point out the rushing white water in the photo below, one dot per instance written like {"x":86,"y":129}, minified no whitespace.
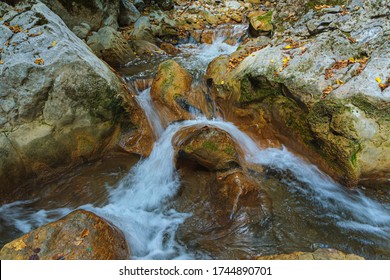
{"x":145,"y":101}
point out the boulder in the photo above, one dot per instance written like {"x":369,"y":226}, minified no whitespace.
{"x":208,"y":146}
{"x":81,"y":235}
{"x":171,"y":92}
{"x":319,"y":254}
{"x":327,"y":95}
{"x":111,"y":46}
{"x":96,"y":13}
{"x":128,"y":13}
{"x":143,"y":30}
{"x":59,"y":104}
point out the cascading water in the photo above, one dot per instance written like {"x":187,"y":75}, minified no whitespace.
{"x":139,"y":204}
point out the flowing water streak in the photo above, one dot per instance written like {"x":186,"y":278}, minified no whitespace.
{"x":145,"y":101}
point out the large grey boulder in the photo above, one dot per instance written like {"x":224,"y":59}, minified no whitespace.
{"x":60,"y":105}
{"x":324,"y":83}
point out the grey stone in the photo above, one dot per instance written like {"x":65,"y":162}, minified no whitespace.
{"x":82,"y":30}
{"x":110,"y":45}
{"x":142,"y":30}
{"x":128,"y":13}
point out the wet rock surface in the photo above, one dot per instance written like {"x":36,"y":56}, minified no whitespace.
{"x":326,"y":86}
{"x":60,"y":104}
{"x":209,"y":147}
{"x":80,"y":235}
{"x":320,"y":254}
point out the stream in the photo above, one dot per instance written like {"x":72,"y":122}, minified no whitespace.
{"x":139,"y":195}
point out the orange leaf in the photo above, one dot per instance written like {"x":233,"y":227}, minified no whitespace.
{"x":85,"y":233}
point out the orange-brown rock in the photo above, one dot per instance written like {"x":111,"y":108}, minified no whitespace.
{"x":169,"y":48}
{"x":319,"y":254}
{"x":234,"y":190}
{"x":208,"y":146}
{"x":172,"y":94}
{"x":81,"y":235}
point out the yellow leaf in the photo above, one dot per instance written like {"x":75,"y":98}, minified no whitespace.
{"x":339,"y":82}
{"x":351,"y":60}
{"x":85,"y":233}
{"x":1,"y":62}
{"x":379,"y":80}
{"x":288,"y":47}
{"x":39,"y":61}
{"x":222,"y":82}
{"x":54,"y":43}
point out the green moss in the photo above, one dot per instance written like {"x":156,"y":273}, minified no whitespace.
{"x":210,"y":146}
{"x":230,"y":151}
{"x":380,"y":111}
{"x":257,"y":89}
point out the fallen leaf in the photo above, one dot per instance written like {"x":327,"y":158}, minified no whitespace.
{"x":1,"y":62}
{"x":222,"y":82}
{"x":53,"y":44}
{"x":320,"y":7}
{"x":326,"y":91}
{"x":379,"y":80}
{"x":287,"y":47}
{"x":85,"y":233}
{"x":39,"y":61}
{"x":339,"y":82}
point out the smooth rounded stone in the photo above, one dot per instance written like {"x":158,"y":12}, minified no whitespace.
{"x":173,"y":96}
{"x":82,"y":31}
{"x":143,"y":30}
{"x":128,"y":13}
{"x":111,"y":46}
{"x":142,"y":47}
{"x":81,"y":235}
{"x":208,"y":146}
{"x":319,"y":254}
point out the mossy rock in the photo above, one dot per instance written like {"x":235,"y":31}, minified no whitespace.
{"x":208,"y":146}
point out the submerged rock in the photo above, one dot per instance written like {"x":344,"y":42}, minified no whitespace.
{"x":81,"y":235}
{"x":319,"y":254}
{"x":59,"y":104}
